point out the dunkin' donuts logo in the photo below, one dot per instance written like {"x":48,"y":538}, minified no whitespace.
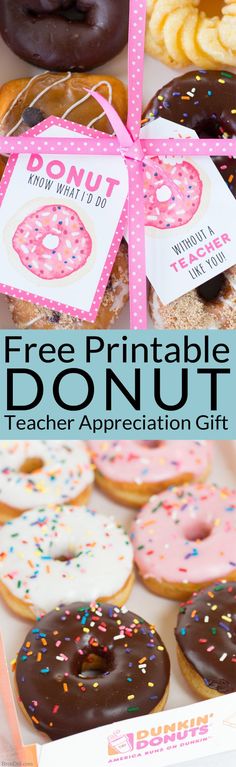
{"x":184,"y":731}
{"x":120,"y":743}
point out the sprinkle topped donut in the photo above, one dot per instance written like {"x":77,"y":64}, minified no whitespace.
{"x":205,"y":634}
{"x":85,"y":666}
{"x":172,"y":193}
{"x":186,"y":538}
{"x":52,"y":242}
{"x":51,"y":556}
{"x":131,"y":470}
{"x":47,"y":472}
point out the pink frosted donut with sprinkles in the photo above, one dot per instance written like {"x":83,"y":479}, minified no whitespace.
{"x":172,"y":193}
{"x":52,"y":242}
{"x":185,"y":539}
{"x":130,"y":471}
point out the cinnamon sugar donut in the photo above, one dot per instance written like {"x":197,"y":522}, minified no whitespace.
{"x":205,"y":102}
{"x":42,"y":471}
{"x":23,"y":104}
{"x":130,"y":471}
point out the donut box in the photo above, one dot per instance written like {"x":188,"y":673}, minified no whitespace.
{"x":121,"y":741}
{"x":204,"y":310}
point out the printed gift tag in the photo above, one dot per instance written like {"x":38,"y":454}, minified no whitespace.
{"x":61,"y":224}
{"x":189,"y":218}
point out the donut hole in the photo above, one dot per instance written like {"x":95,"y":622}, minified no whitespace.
{"x":197,"y":530}
{"x":95,"y":664}
{"x":72,"y":14}
{"x":51,"y":241}
{"x":30,"y":465}
{"x":211,"y":8}
{"x":211,"y":126}
{"x":69,"y":12}
{"x":151,"y":444}
{"x":65,"y":557}
{"x":164,"y":193}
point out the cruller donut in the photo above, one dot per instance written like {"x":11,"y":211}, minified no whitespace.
{"x":69,"y":553}
{"x":84,"y":666}
{"x":130,"y":471}
{"x":58,"y":34}
{"x":205,"y":102}
{"x":23,"y":104}
{"x":42,"y":471}
{"x":185,"y":539}
{"x":205,"y":635}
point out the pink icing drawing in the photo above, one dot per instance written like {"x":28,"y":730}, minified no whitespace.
{"x":151,"y":462}
{"x":187,"y":534}
{"x":172,"y":193}
{"x":52,"y":242}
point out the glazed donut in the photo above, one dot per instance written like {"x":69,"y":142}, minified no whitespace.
{"x":205,"y":637}
{"x":73,"y":554}
{"x":72,"y":34}
{"x":85,"y":669}
{"x":23,"y":104}
{"x":52,"y":242}
{"x":130,"y":471}
{"x":172,"y":193}
{"x":50,"y":472}
{"x":200,"y":32}
{"x":185,"y":539}
{"x":205,"y":102}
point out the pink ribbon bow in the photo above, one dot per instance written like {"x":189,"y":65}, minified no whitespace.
{"x":136,"y":152}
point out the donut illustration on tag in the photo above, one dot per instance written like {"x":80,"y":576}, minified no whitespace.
{"x":172,"y":193}
{"x":52,"y":242}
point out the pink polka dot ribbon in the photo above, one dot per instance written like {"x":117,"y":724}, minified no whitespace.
{"x":135,"y":151}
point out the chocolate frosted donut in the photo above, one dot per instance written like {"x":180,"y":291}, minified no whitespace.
{"x":206,"y":638}
{"x":58,"y":34}
{"x":205,"y":102}
{"x":85,"y":666}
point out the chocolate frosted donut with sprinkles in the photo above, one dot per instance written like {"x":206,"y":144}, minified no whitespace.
{"x":130,"y":471}
{"x":85,"y":666}
{"x":185,"y":539}
{"x":204,"y":101}
{"x":205,"y":634}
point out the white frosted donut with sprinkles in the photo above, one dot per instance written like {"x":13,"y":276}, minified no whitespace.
{"x":55,"y":556}
{"x":42,"y":471}
{"x":130,"y":471}
{"x":52,"y":242}
{"x":185,"y":539}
